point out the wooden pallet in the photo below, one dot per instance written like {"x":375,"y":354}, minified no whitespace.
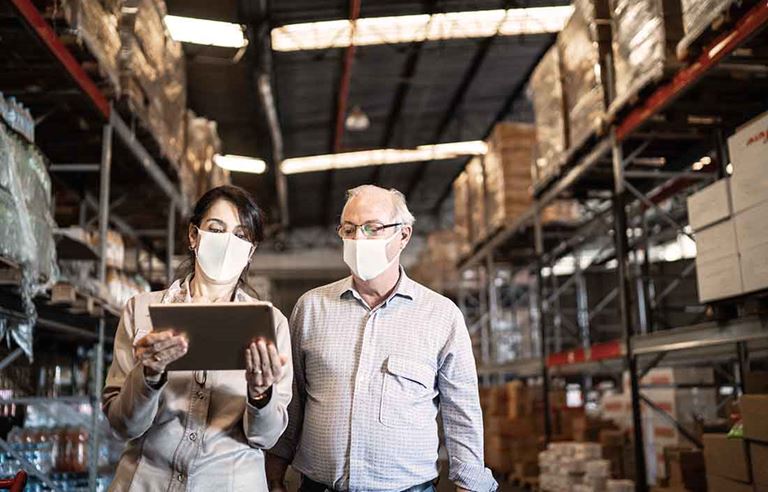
{"x":718,"y":21}
{"x":10,"y":273}
{"x":76,"y":302}
{"x":641,"y":88}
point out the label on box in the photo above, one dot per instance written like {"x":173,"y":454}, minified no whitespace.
{"x":719,"y":279}
{"x":715,"y":242}
{"x":749,"y":143}
{"x":709,"y":205}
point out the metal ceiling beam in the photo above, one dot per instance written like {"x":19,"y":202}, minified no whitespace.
{"x":503,"y":111}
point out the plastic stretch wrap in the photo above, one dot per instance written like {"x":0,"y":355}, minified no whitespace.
{"x":198,"y":172}
{"x":645,"y":34}
{"x":699,"y":14}
{"x":461,"y":212}
{"x":508,"y":172}
{"x":477,"y":218}
{"x":582,"y":74}
{"x":546,"y":92}
{"x":149,"y":29}
{"x":98,"y":28}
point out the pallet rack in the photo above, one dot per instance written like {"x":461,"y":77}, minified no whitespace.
{"x":78,"y":122}
{"x":681,"y":120}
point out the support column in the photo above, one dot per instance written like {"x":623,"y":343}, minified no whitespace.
{"x":625,"y":309}
{"x":98,"y":371}
{"x":539,"y":248}
{"x":493,"y":306}
{"x":170,"y":243}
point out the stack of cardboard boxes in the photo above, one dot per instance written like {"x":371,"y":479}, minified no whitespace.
{"x":728,"y":220}
{"x":436,"y":266}
{"x":578,"y":467}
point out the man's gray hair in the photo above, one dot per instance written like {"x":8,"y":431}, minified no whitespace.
{"x":399,"y":204}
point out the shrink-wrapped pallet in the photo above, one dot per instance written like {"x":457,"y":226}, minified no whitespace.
{"x":478,"y":227}
{"x":461,"y":212}
{"x":698,"y":15}
{"x":645,"y":36}
{"x":585,"y":37}
{"x":546,"y":91}
{"x":198,"y":172}
{"x":97,"y":27}
{"x":507,"y":172}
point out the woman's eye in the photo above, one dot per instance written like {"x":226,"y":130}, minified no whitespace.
{"x":217,"y":231}
{"x":240,"y":235}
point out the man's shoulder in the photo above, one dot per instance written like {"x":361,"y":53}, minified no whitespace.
{"x":424,"y":294}
{"x":327,"y":291}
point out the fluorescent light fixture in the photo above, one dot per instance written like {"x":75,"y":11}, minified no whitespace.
{"x":364,"y":158}
{"x":413,"y":28}
{"x":207,"y":32}
{"x":239,"y":163}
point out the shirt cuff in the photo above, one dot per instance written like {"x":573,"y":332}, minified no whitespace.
{"x":475,"y":478}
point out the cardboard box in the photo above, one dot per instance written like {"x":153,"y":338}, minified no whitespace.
{"x":710,"y":205}
{"x":722,"y":484}
{"x":685,"y":469}
{"x":750,"y":143}
{"x":756,"y":382}
{"x":754,"y":413}
{"x":750,"y":226}
{"x":758,"y":455}
{"x":754,"y":268}
{"x":716,"y":242}
{"x":749,"y":186}
{"x":667,"y":376}
{"x":719,"y":279}
{"x":726,"y":458}
{"x":517,"y":399}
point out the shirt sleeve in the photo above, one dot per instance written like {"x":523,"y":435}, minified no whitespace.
{"x":263,"y":426}
{"x":128,"y":400}
{"x":460,"y":408}
{"x":286,"y":446}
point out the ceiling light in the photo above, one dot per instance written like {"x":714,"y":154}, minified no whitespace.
{"x":357,"y":120}
{"x":239,"y":163}
{"x":364,"y":158}
{"x":414,"y":28}
{"x":207,"y":32}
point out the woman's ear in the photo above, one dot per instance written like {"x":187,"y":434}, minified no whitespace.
{"x":192,"y":237}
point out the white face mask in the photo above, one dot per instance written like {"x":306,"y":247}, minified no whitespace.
{"x":367,"y":258}
{"x":222,"y":256}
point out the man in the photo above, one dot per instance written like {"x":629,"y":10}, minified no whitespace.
{"x":375,"y":356}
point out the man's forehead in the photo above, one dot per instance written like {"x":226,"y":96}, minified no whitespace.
{"x":370,"y":207}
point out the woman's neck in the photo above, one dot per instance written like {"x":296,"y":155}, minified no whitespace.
{"x":202,"y":289}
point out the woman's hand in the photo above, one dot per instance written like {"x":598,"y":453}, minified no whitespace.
{"x":158,"y":349}
{"x":264,"y":367}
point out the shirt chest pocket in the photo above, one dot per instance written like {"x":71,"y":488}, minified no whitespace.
{"x":408,"y":393}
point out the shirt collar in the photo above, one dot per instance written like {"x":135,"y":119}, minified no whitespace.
{"x":180,"y":292}
{"x":405,"y":288}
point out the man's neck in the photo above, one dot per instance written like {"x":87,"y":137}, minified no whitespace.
{"x":374,"y":292}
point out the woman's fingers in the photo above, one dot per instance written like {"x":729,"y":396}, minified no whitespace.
{"x":154,"y":337}
{"x":266,"y":366}
{"x":256,"y":365}
{"x":276,"y":365}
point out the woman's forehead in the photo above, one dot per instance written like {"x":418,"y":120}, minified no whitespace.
{"x":224,"y":211}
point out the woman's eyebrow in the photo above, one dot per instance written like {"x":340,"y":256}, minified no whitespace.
{"x":219,"y":221}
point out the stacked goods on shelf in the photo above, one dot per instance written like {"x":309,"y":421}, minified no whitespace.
{"x":583,"y":44}
{"x":748,"y":149}
{"x":508,"y":172}
{"x":686,"y":394}
{"x":122,"y":286}
{"x":698,"y":15}
{"x":727,"y":463}
{"x":198,"y":173}
{"x":546,"y":92}
{"x":645,"y":36}
{"x":17,"y":117}
{"x":514,"y":426}
{"x":436,"y":266}
{"x":684,"y":470}
{"x":461,"y":212}
{"x":26,"y":223}
{"x":578,"y":467}
{"x":96,"y":25}
{"x":478,"y":224}
{"x":754,"y":408}
{"x":153,"y":75}
{"x":728,"y":220}
{"x":562,"y":212}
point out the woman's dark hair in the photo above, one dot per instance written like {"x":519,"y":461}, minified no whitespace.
{"x":251,"y":218}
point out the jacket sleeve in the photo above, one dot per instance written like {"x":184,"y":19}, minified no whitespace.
{"x":286,"y":446}
{"x":264,"y":426}
{"x":128,"y":401}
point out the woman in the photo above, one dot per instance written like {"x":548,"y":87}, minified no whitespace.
{"x":202,"y":430}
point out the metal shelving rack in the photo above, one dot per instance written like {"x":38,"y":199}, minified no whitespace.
{"x":86,"y":106}
{"x":682,"y":119}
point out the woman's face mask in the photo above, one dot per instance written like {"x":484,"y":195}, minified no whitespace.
{"x":222,"y":256}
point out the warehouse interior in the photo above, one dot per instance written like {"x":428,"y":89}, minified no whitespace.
{"x":588,"y":180}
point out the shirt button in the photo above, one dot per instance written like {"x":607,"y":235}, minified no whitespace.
{"x":180,"y":478}
{"x":201,"y":395}
{"x":193,"y":436}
